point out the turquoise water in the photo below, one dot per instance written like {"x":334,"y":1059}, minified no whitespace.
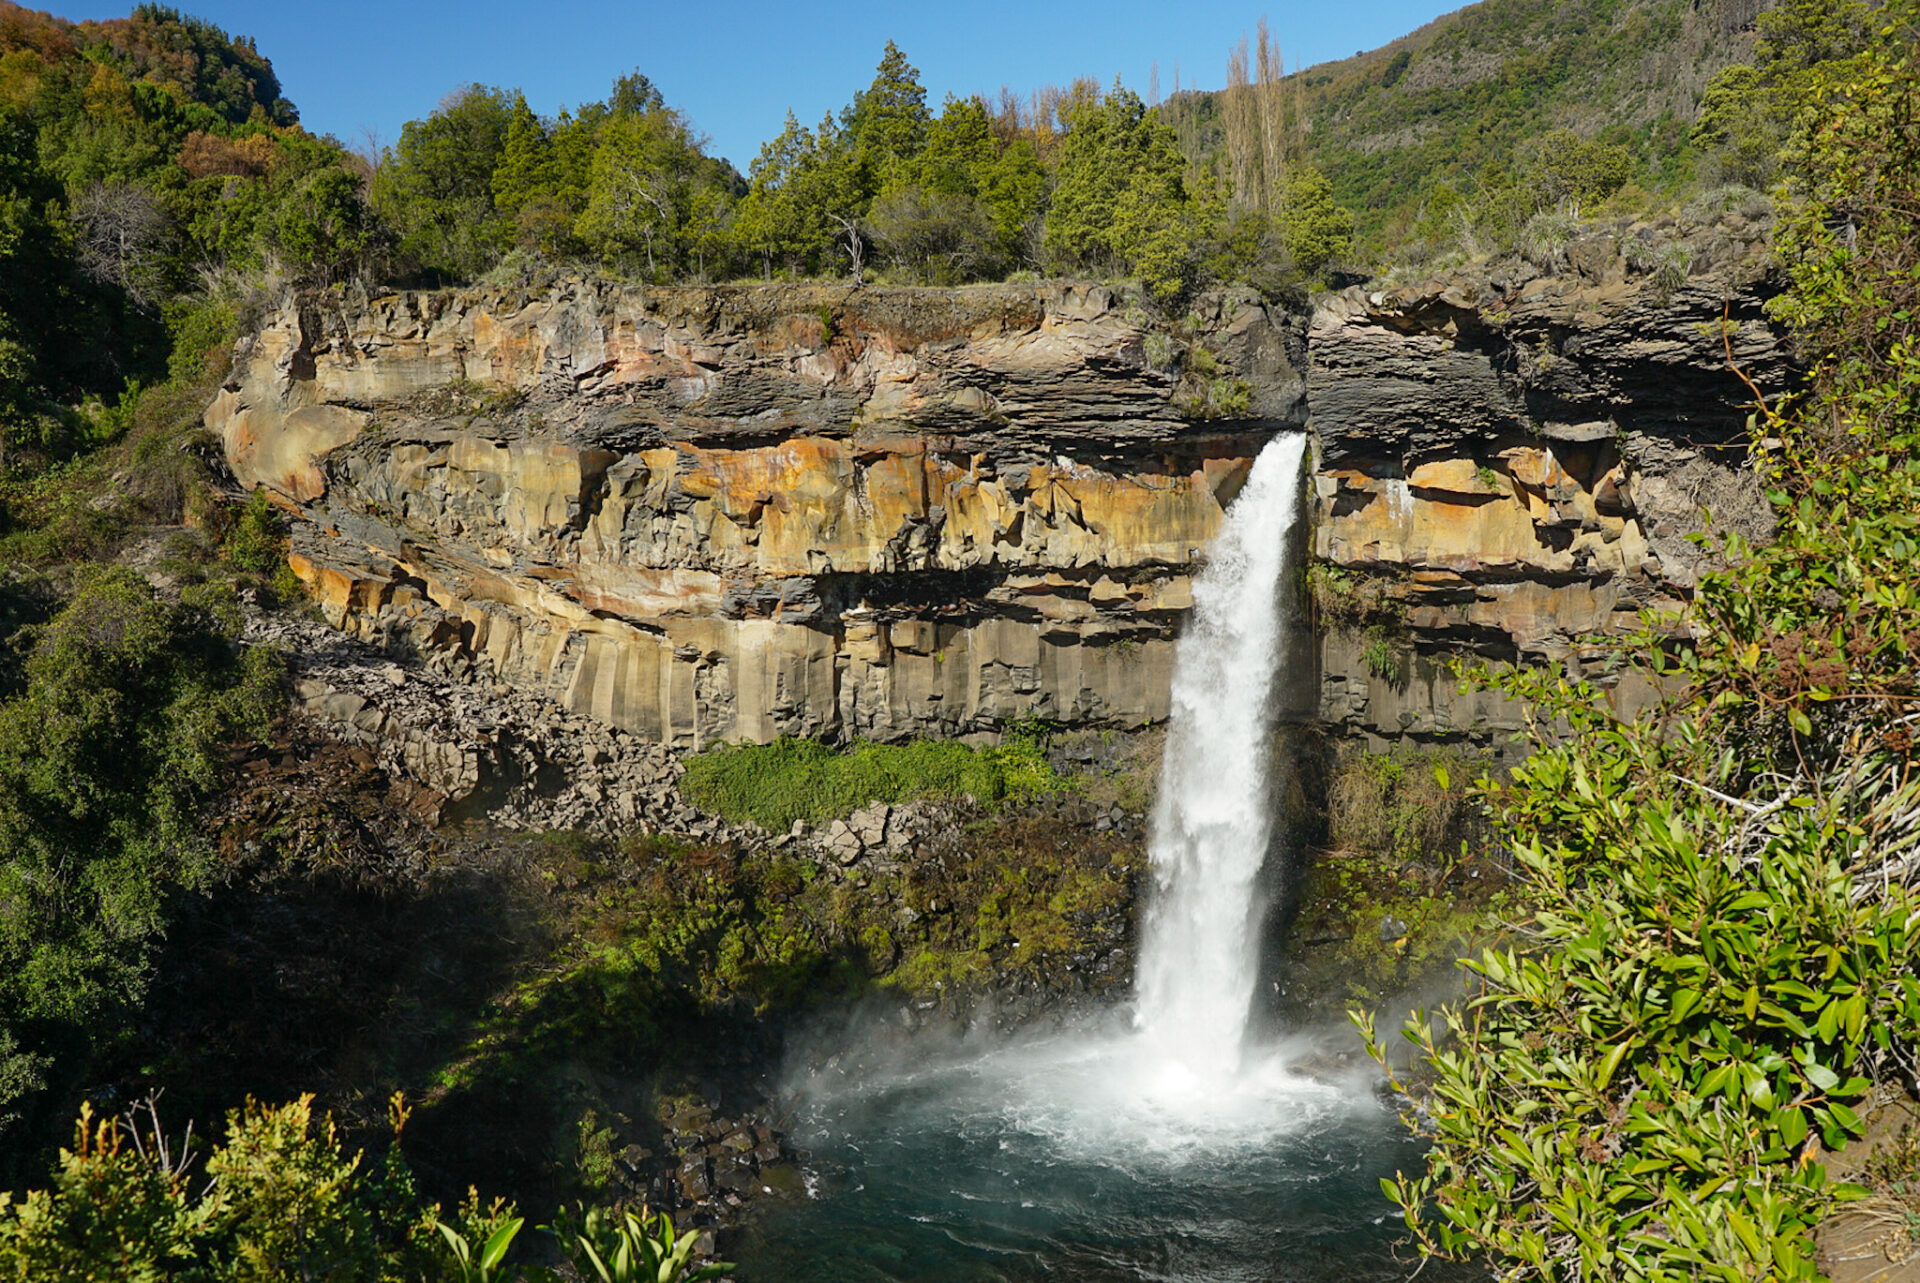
{"x":1071,"y":1159}
{"x":1164,"y":1151}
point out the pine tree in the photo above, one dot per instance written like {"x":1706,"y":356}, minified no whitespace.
{"x":526,"y":183}
{"x":1114,"y":148}
{"x":886,"y":126}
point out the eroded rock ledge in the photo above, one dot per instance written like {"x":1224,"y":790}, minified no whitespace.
{"x":740,"y":512}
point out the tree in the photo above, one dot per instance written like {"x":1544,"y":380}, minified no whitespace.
{"x":709,"y":227}
{"x":1118,"y":188}
{"x":769,"y":222}
{"x":322,"y":227}
{"x":942,"y":237}
{"x":526,"y":182}
{"x":1740,"y":127}
{"x":960,"y":209}
{"x":802,"y":179}
{"x":636,"y":198}
{"x":1314,"y":230}
{"x":632,"y":95}
{"x":31,"y":272}
{"x":1569,"y":171}
{"x":960,"y":148}
{"x":1747,"y":111}
{"x":128,"y":707}
{"x":122,"y":230}
{"x":886,"y":124}
{"x":435,"y":186}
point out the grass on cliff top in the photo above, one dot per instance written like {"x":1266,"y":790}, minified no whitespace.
{"x":775,"y":784}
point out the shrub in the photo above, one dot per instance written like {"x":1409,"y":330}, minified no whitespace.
{"x":121,"y":726}
{"x":1718,"y":967}
{"x":253,"y":543}
{"x":1341,"y":598}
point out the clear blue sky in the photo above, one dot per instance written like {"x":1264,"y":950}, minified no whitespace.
{"x":735,"y":68}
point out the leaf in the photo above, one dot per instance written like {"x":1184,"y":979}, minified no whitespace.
{"x":498,"y":1242}
{"x":1744,"y":1228}
{"x":1608,"y":1064}
{"x":1828,"y":1025}
{"x":455,"y":1241}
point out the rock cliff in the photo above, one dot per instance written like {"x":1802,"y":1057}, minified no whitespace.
{"x":1521,"y":461}
{"x":738,"y":512}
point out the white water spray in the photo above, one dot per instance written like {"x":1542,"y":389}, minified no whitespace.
{"x":1199,"y":955}
{"x":1181,"y":1088}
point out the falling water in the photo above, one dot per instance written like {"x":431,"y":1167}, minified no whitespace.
{"x":1169,"y":1147}
{"x":1213,"y":823}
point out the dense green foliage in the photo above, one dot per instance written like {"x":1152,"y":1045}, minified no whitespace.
{"x":1094,"y":184}
{"x":281,"y":1199}
{"x":147,"y":166}
{"x":794,"y":779}
{"x":114,"y":724}
{"x":1468,"y":110}
{"x":1717,"y":969}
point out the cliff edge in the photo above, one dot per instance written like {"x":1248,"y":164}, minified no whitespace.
{"x":737,"y":512}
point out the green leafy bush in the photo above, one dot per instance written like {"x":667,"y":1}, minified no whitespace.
{"x":1717,"y":968}
{"x":126,"y":707}
{"x":282,"y":1198}
{"x":1698,"y":992}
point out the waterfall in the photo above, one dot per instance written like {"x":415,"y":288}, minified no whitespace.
{"x":1213,"y":823}
{"x":1172,"y":1146}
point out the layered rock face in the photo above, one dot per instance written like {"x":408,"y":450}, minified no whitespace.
{"x":1522,"y":461}
{"x":745,"y":512}
{"x":740,"y":512}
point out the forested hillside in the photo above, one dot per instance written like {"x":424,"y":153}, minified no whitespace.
{"x":1461,"y":110}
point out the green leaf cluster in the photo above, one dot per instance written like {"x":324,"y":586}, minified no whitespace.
{"x":280,"y":1199}
{"x":1696,"y":1002}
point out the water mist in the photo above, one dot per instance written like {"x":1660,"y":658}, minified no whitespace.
{"x":1169,"y":1145}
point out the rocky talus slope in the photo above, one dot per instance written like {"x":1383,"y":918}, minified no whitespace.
{"x":730,"y":513}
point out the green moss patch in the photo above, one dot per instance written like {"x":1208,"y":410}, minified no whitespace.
{"x":776,"y":784}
